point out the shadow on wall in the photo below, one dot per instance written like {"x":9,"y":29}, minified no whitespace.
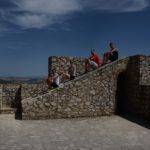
{"x":120,"y":94}
{"x":17,"y":104}
{"x":132,"y":99}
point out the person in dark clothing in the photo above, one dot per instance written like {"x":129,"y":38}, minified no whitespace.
{"x":112,"y":54}
{"x":72,"y":70}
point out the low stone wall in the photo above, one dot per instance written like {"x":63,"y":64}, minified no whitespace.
{"x":33,"y":90}
{"x":64,"y":62}
{"x":8,"y":92}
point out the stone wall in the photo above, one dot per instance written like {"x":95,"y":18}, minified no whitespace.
{"x":1,"y":92}
{"x":145,"y":70}
{"x":33,"y":90}
{"x":90,"y":95}
{"x":8,"y":92}
{"x":145,"y":101}
{"x":137,"y":87}
{"x":64,"y":62}
{"x":95,"y":93}
{"x":144,"y":87}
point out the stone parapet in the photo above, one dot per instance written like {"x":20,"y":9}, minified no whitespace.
{"x":64,"y":62}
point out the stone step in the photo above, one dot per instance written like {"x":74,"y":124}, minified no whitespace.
{"x":7,"y":111}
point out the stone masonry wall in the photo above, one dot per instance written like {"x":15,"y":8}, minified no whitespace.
{"x":94,"y":94}
{"x":145,"y":71}
{"x":33,"y":90}
{"x":137,"y":87}
{"x":8,"y":92}
{"x":1,"y":92}
{"x":145,"y":86}
{"x":64,"y":62}
{"x":145,"y":101}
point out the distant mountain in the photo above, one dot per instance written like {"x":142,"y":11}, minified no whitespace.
{"x":3,"y":82}
{"x":19,"y":80}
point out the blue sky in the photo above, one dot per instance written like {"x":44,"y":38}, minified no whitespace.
{"x":33,"y":30}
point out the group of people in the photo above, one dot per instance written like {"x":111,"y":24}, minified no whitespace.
{"x":56,"y":78}
{"x":93,"y":62}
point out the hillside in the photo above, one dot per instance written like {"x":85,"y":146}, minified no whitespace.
{"x":18,"y":80}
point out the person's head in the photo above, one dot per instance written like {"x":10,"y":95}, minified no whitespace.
{"x":53,"y":70}
{"x":112,"y":45}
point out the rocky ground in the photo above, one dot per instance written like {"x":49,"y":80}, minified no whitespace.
{"x":106,"y":133}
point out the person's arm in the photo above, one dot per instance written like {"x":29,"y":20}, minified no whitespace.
{"x":54,"y":77}
{"x":114,"y":50}
{"x":92,"y":58}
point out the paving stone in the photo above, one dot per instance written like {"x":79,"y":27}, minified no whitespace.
{"x":105,"y":133}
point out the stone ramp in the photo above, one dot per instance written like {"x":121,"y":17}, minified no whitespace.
{"x":104,"y":133}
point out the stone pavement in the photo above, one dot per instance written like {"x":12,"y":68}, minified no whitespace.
{"x":106,"y":133}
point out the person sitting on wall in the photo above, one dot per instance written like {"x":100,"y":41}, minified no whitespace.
{"x":93,"y":62}
{"x":63,"y":76}
{"x":112,"y":54}
{"x":72,"y":71}
{"x":54,"y":79}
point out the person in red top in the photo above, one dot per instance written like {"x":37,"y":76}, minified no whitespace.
{"x":93,"y":62}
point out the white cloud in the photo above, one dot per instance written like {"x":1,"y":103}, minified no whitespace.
{"x":116,"y":5}
{"x":40,"y":13}
{"x":33,"y":20}
{"x":43,"y":13}
{"x":51,"y":7}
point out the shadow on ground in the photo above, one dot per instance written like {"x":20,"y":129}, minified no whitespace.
{"x":136,"y":119}
{"x":16,"y":104}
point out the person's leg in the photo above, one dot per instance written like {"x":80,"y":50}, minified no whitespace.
{"x":106,"y":57}
{"x":65,"y":77}
{"x":113,"y":57}
{"x":93,"y":64}
{"x":54,"y":85}
{"x":87,"y":65}
{"x":72,"y":77}
{"x":49,"y":82}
